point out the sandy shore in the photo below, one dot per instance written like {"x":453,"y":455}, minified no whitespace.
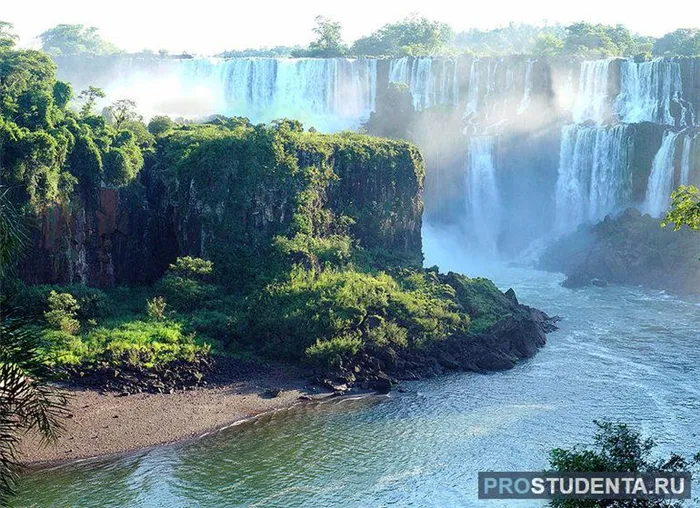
{"x":104,"y":423}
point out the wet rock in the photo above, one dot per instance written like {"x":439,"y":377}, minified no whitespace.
{"x":382,"y":383}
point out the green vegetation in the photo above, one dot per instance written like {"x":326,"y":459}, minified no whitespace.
{"x":328,"y":42}
{"x":420,"y":36}
{"x":413,"y":36}
{"x":681,"y":42}
{"x":301,"y":246}
{"x":417,"y":36}
{"x":685,"y":208}
{"x":64,"y":40}
{"x":48,"y":150}
{"x":617,"y":448}
{"x":28,"y":402}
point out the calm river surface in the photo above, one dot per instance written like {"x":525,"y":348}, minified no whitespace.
{"x":621,"y":353}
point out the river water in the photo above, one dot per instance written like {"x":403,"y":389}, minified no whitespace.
{"x":624,"y":354}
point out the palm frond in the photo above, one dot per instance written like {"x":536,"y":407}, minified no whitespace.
{"x":12,"y":234}
{"x":27,"y":401}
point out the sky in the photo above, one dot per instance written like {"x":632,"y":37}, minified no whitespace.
{"x":212,"y":26}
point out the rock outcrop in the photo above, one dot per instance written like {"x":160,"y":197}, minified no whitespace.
{"x":631,"y":249}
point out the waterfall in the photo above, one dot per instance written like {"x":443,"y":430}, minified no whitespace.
{"x":430,"y":84}
{"x":483,"y":202}
{"x":592,"y":98}
{"x":525,"y":103}
{"x":686,"y":159}
{"x":473,"y":90}
{"x":594,"y":178}
{"x":660,"y":184}
{"x":648,"y":90}
{"x":498,"y":90}
{"x":330,"y":94}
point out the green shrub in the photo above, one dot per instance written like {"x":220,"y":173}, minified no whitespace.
{"x":213,"y":324}
{"x":93,"y":303}
{"x":144,"y":343}
{"x":332,"y":352}
{"x":185,"y":294}
{"x":409,"y":309}
{"x":388,"y":333}
{"x":193,"y":268}
{"x":63,"y":309}
{"x":155,"y":308}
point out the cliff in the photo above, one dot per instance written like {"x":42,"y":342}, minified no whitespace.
{"x":239,"y":188}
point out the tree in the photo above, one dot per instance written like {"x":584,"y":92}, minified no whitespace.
{"x":413,"y":36}
{"x":328,"y":41}
{"x":617,"y":448}
{"x":64,"y":40}
{"x":683,"y":42}
{"x":121,"y":112}
{"x":548,"y":44}
{"x":8,"y":38}
{"x":160,"y":124}
{"x":89,"y":98}
{"x":685,"y":209}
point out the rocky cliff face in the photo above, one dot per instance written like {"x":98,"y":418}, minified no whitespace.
{"x":234,"y":193}
{"x":631,"y":249}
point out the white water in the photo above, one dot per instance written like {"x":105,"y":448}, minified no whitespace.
{"x":483,"y":201}
{"x":592,"y":101}
{"x":689,"y":145}
{"x":525,"y":103}
{"x":329,"y":94}
{"x":431,"y":82}
{"x":648,"y":90}
{"x":594,"y":175}
{"x":660,"y":184}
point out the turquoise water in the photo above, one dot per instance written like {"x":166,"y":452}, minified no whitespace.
{"x":620,"y":353}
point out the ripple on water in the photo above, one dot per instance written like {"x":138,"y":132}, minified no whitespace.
{"x":620,"y":353}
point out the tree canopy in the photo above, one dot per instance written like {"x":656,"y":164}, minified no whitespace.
{"x":328,"y":42}
{"x":63,"y":40}
{"x":46,"y":148}
{"x":418,"y":36}
{"x":415,"y":35}
{"x":683,"y":42}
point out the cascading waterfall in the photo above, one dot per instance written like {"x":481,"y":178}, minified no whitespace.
{"x":594,"y":176}
{"x":330,"y":94}
{"x":686,"y":159}
{"x":592,"y":102}
{"x":648,"y":90}
{"x":525,"y":103}
{"x":483,"y":201}
{"x":431,"y":82}
{"x":473,"y":90}
{"x":661,"y":177}
{"x":519,"y":99}
{"x":498,"y":89}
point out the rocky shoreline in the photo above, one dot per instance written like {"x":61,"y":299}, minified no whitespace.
{"x":515,"y":337}
{"x":124,"y":410}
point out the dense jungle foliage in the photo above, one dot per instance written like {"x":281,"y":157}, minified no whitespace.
{"x":294,"y":245}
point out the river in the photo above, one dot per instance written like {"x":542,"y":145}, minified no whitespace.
{"x":625,"y":354}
